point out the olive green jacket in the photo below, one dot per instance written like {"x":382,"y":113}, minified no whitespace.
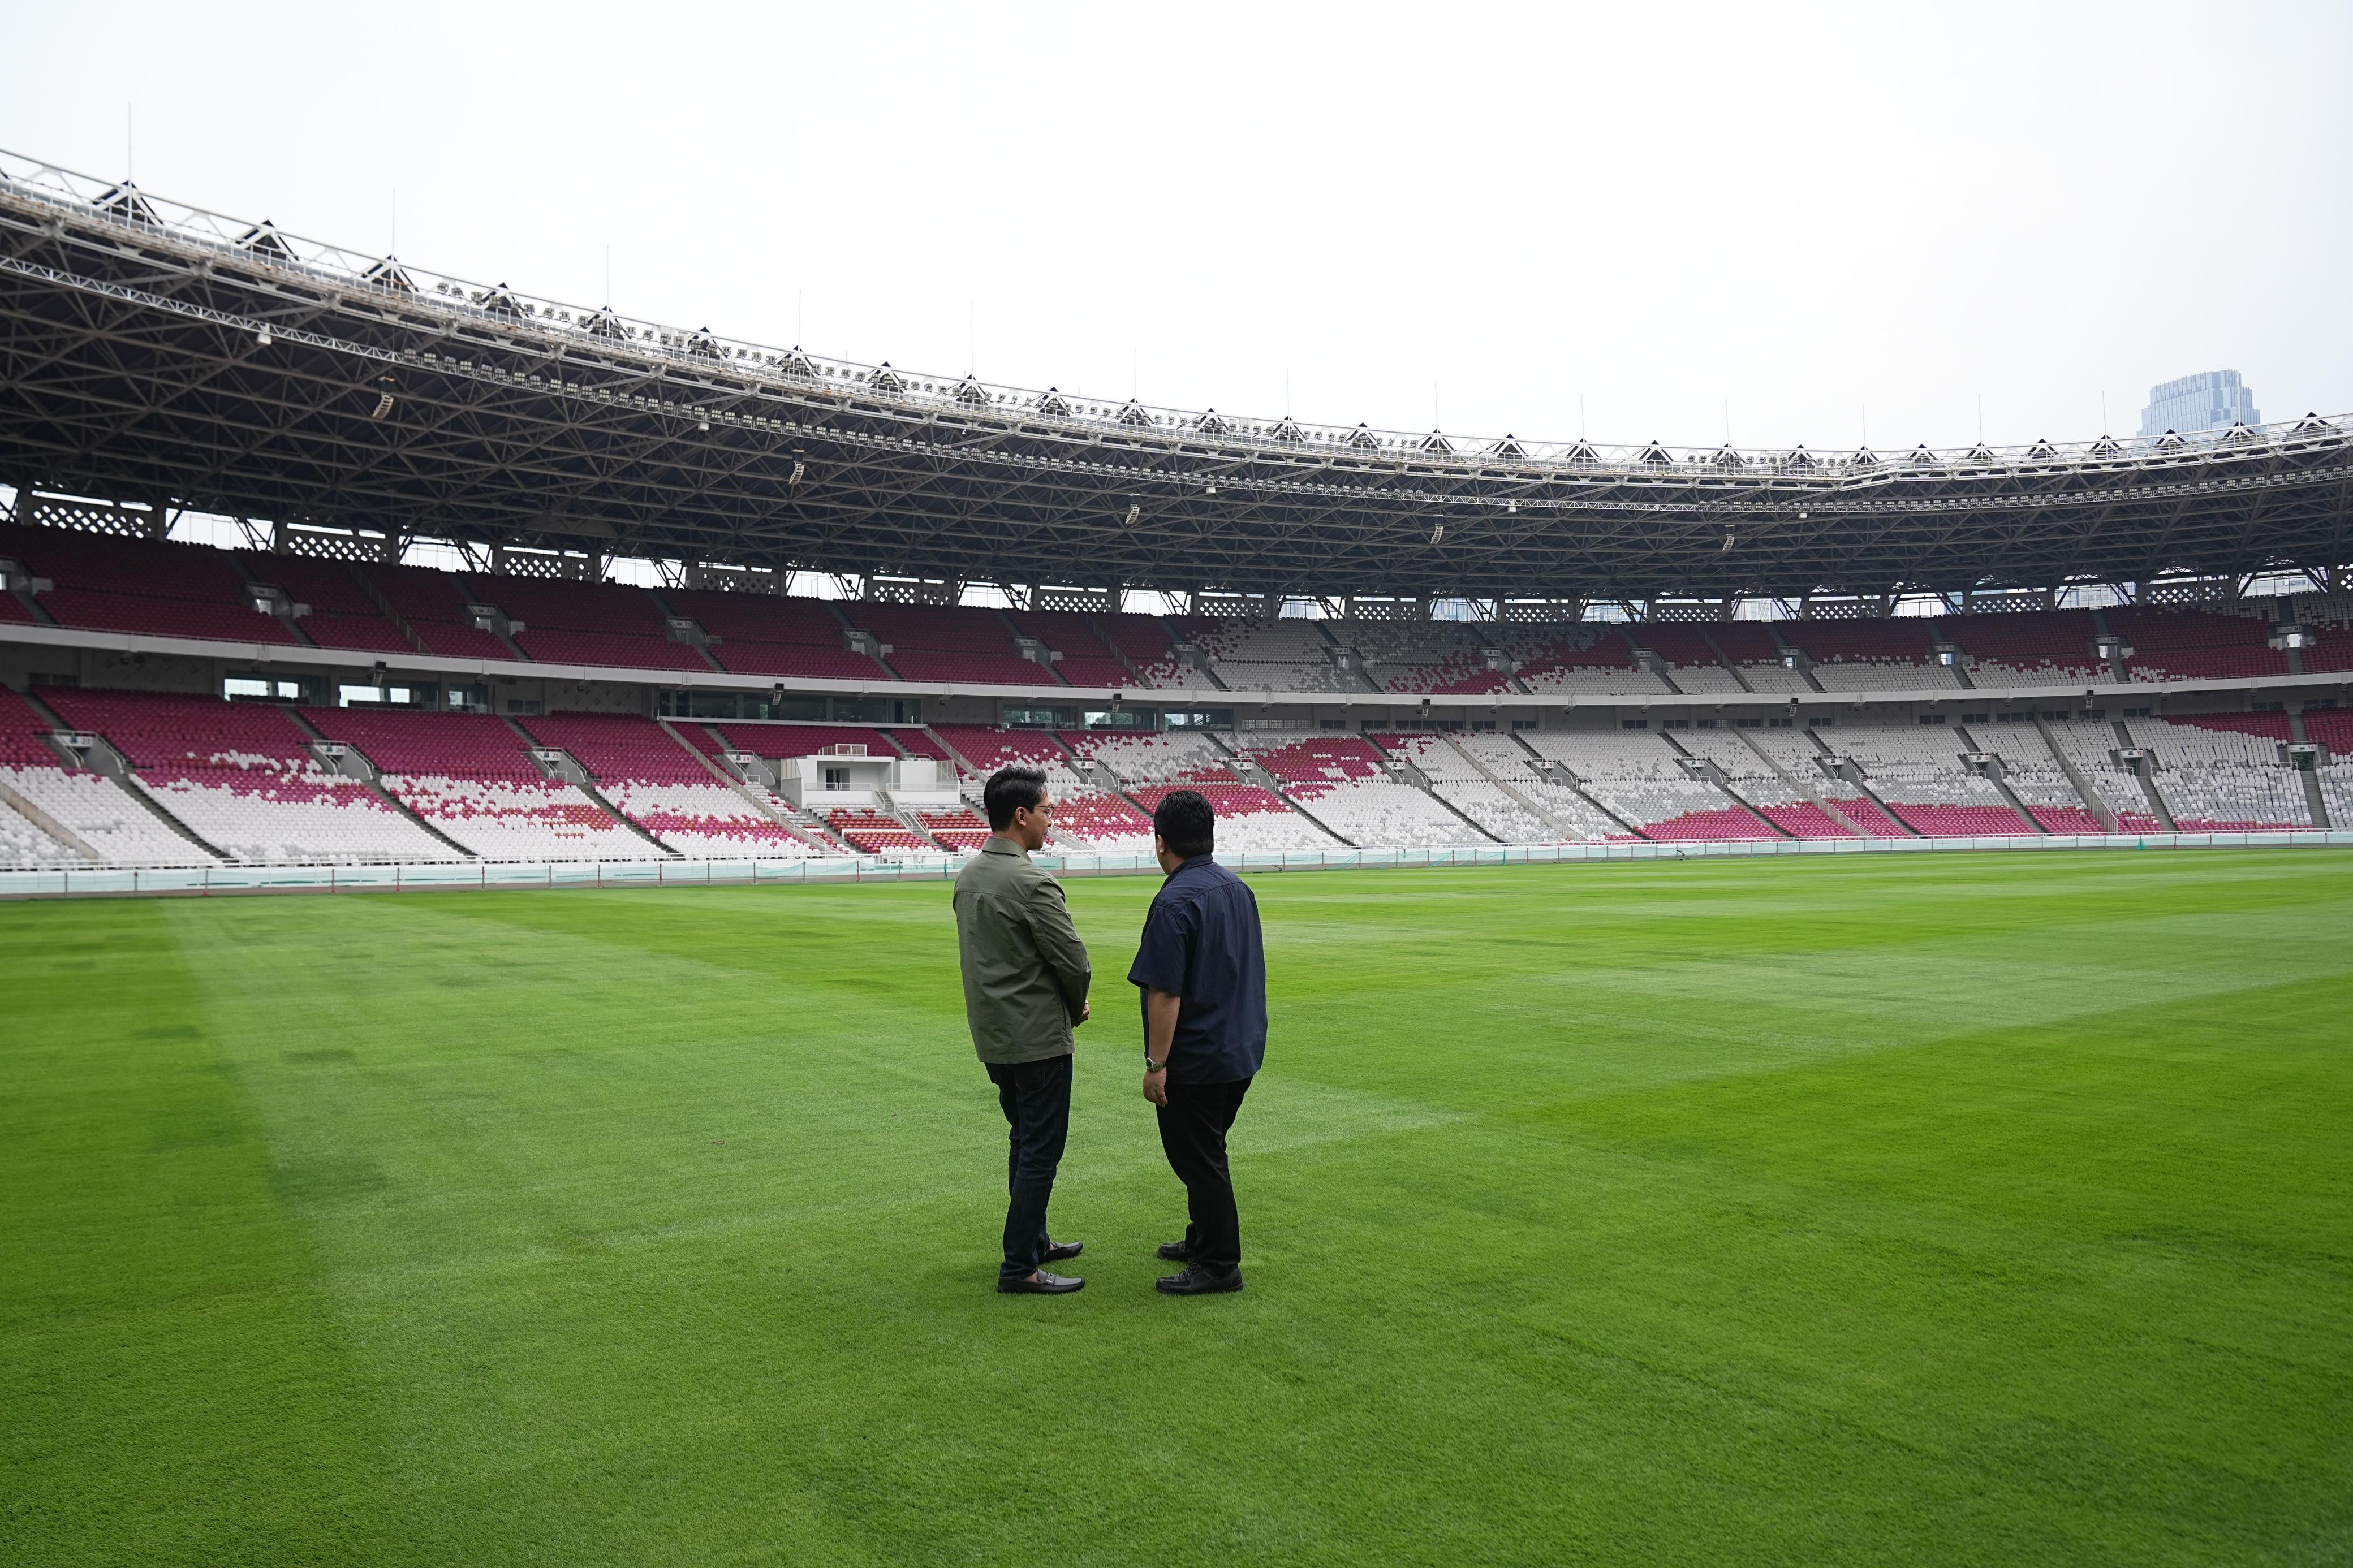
{"x":1025,"y":969}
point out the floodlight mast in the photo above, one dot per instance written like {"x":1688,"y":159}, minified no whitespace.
{"x":115,"y":299}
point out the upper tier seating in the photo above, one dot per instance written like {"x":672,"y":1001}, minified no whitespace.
{"x":341,"y":614}
{"x":432,"y":604}
{"x":1694,"y":666}
{"x":468,"y":775}
{"x":2028,"y":648}
{"x":1274,"y":656}
{"x":767,"y":634}
{"x":1756,"y":653}
{"x":1880,"y":654}
{"x":938,"y":642}
{"x":1585,"y":659}
{"x":1917,"y":770}
{"x":588,"y":622}
{"x":1087,"y":660}
{"x":1424,"y":657}
{"x":2222,"y":779}
{"x":106,"y":583}
{"x":242,"y":778}
{"x":2196,"y":645}
{"x":1143,"y":642}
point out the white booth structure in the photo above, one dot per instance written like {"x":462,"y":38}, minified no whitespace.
{"x":849,"y":778}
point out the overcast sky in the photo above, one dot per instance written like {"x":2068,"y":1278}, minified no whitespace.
{"x":1526,"y":219}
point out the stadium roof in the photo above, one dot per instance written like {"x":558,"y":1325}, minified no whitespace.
{"x":150,"y":349}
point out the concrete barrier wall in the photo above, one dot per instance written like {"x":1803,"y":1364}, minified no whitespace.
{"x":109,"y":881}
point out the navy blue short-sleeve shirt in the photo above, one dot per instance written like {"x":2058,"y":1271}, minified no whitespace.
{"x":1201,"y":942}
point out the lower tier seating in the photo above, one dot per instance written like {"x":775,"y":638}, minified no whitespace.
{"x":518,"y":819}
{"x":705,"y":820}
{"x":302,"y":815}
{"x":962,"y":827}
{"x":102,"y":815}
{"x":1250,"y":821}
{"x":1376,"y":812}
{"x":1097,"y":822}
{"x":870,"y":833}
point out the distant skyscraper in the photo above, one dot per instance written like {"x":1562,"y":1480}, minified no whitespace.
{"x":2211,"y":400}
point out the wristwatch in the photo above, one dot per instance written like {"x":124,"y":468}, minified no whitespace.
{"x":1151,"y":1066}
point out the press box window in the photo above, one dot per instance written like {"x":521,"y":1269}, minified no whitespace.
{"x":269,"y":689}
{"x":837,"y":778}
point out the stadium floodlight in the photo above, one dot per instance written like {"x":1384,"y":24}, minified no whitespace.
{"x":262,"y":337}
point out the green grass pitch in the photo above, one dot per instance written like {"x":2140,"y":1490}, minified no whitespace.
{"x":1985,"y":1209}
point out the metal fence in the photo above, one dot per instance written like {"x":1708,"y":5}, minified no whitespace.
{"x":112,"y":881}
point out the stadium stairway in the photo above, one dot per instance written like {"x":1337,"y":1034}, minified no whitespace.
{"x":2101,"y":812}
{"x":1708,"y":769}
{"x":1403,"y":768}
{"x":1866,"y":795}
{"x":2024,"y":812}
{"x":2148,"y":785}
{"x":42,"y":821}
{"x":361,"y":767}
{"x":1805,"y":786}
{"x":760,"y":798}
{"x":1251,"y":770}
{"x":1529,"y":803}
{"x":561,"y":767}
{"x":1562,"y":771}
{"x":103,"y":759}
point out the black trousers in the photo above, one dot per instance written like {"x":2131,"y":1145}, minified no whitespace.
{"x":1193,"y":1127}
{"x":1036,"y":1097}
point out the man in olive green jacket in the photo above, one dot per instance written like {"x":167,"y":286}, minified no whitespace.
{"x":1025,"y":987}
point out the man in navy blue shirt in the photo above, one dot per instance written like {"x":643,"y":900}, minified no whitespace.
{"x":1201,"y":968}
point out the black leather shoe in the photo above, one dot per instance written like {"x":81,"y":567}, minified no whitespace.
{"x":1045,"y":1284}
{"x":1062,"y":1251}
{"x":1194,"y":1283}
{"x":1176,"y":1252}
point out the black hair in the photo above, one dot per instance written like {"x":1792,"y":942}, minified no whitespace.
{"x":1185,"y":824}
{"x":1010,"y":790}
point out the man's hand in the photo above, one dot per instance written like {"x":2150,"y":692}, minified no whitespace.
{"x":1156,"y":1086}
{"x":1086,"y":1011}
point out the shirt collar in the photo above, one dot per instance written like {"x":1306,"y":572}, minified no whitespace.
{"x":999,"y":845}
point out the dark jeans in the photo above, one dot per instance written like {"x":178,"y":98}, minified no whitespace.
{"x":1193,"y":1127}
{"x":1037,"y":1100}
